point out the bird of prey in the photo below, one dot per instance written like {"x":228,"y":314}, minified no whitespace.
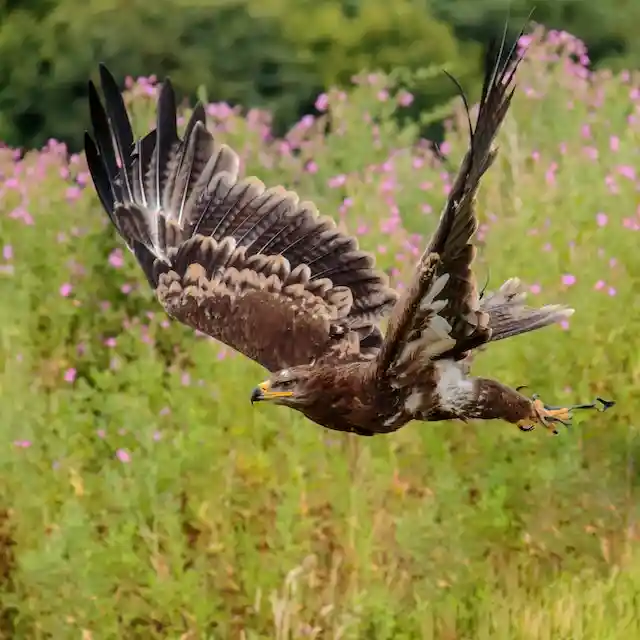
{"x":261,"y":271}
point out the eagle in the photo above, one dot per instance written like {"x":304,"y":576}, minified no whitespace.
{"x":261,"y":271}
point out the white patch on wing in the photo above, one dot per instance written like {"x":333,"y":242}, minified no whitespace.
{"x":435,"y":331}
{"x":435,"y":339}
{"x":454,"y":390}
{"x":389,"y":422}
{"x":428,"y":305}
{"x":413,"y":402}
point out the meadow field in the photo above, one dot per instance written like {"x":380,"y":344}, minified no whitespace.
{"x":141,"y":496}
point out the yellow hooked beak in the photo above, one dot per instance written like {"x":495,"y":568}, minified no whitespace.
{"x":263,"y":392}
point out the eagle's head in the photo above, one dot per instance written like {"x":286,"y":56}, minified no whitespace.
{"x":288,"y":387}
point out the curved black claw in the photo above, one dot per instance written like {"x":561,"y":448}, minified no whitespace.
{"x":606,"y":404}
{"x":552,"y":419}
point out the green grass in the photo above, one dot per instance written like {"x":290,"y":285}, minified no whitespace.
{"x":142,"y":497}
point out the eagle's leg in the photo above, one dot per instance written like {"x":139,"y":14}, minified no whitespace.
{"x":492,"y":400}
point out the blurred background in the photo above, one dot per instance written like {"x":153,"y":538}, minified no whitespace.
{"x":141,"y":496}
{"x":277,"y":54}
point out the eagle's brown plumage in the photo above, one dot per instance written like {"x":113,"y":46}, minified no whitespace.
{"x":261,"y":271}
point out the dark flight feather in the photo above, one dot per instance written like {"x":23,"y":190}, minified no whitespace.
{"x":120,"y":128}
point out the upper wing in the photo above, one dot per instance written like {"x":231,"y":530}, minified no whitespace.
{"x":440,"y":313}
{"x":250,"y":266}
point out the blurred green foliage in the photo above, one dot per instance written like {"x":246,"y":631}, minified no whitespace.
{"x":277,"y":54}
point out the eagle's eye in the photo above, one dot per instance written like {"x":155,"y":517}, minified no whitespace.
{"x":285,"y":384}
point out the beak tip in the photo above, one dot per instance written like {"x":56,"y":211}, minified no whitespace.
{"x":256,"y":395}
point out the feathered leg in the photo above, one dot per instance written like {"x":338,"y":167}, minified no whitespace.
{"x":497,"y":401}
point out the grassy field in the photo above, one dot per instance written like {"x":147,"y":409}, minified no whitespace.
{"x":142,"y":497}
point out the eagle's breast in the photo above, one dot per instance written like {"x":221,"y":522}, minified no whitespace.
{"x":454,"y":392}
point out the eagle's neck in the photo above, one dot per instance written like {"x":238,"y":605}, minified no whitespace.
{"x":343,"y":397}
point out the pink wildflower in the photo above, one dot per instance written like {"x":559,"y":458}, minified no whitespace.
{"x":123,"y":455}
{"x":65,"y":290}
{"x":116,"y":258}
{"x":322,"y":102}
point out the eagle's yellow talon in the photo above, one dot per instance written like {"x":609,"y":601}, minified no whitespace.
{"x":561,"y":413}
{"x":548,"y":416}
{"x":545,"y":416}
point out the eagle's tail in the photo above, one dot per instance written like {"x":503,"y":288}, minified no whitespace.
{"x":509,"y":316}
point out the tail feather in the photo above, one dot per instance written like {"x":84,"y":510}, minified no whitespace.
{"x":506,"y":322}
{"x":509,"y":316}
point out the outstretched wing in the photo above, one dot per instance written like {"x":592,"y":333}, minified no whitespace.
{"x":440,"y":315}
{"x":251,"y":266}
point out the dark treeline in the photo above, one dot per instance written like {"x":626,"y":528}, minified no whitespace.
{"x":270,"y":53}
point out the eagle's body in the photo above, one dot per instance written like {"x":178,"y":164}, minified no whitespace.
{"x":260,"y":271}
{"x":352,"y":398}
